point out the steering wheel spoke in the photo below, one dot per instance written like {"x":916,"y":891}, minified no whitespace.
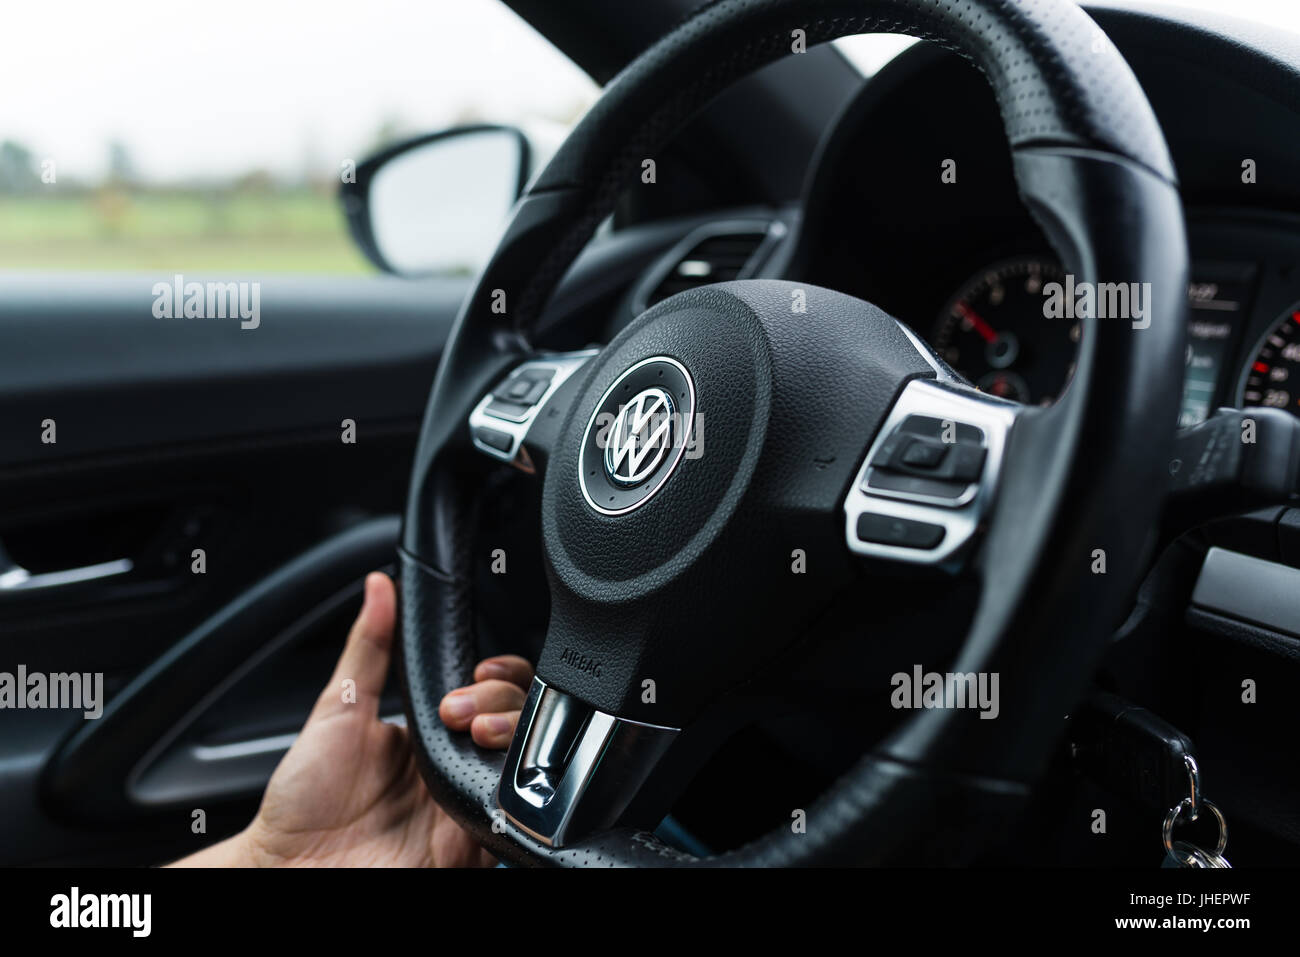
{"x":929,"y":479}
{"x":517,"y":421}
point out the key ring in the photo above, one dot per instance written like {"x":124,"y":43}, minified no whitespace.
{"x":1172,"y":818}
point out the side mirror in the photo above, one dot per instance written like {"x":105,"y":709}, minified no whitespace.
{"x":436,"y":204}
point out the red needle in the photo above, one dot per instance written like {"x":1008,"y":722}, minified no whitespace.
{"x":979,"y":325}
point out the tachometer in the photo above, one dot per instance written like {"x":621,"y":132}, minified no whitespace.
{"x":994,"y":332}
{"x":1272,"y":378}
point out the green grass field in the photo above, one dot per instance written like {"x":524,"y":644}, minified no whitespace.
{"x":300,"y":231}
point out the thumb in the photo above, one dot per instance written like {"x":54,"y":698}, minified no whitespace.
{"x":366,"y":655}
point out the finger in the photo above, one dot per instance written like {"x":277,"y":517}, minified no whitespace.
{"x":366,"y":655}
{"x":459,"y":707}
{"x":510,"y":668}
{"x":494,"y":730}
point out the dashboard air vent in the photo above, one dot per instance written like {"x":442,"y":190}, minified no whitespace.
{"x":713,"y":254}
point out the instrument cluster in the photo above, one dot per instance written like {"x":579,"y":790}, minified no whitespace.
{"x":1004,"y":331}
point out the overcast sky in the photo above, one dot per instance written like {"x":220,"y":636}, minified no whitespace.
{"x":222,"y":86}
{"x":219,"y":87}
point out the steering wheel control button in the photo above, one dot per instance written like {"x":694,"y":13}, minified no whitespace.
{"x":923,"y":453}
{"x":637,"y":435}
{"x":930,"y":457}
{"x":945,"y":430}
{"x":525,"y":387}
{"x":927,"y":482}
{"x":501,"y":441}
{"x":507,"y":410}
{"x":902,"y":532}
{"x":888,"y":450}
{"x":915,"y":485}
{"x":514,"y":398}
{"x":967,"y":462}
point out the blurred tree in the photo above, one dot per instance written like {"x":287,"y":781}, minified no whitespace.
{"x":121,"y":168}
{"x":18,"y":169}
{"x":254,"y":181}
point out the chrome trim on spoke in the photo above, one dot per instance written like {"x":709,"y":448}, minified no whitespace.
{"x":572,"y":769}
{"x":923,"y":349}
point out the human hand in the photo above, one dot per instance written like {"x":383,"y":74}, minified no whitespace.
{"x":348,"y":794}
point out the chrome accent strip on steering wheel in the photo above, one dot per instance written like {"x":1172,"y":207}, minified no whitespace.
{"x":572,"y":769}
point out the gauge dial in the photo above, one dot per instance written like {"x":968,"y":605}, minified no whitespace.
{"x":1272,"y":378}
{"x":994,"y":333}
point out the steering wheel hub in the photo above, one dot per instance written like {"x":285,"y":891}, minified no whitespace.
{"x":663,"y":444}
{"x":711,"y":443}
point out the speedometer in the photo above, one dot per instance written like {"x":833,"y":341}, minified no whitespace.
{"x":994,"y":332}
{"x":1272,"y":378}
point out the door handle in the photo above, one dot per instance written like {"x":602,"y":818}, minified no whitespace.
{"x":15,"y":578}
{"x":104,"y":772}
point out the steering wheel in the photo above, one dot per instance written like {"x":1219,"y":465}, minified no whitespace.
{"x":734,"y":430}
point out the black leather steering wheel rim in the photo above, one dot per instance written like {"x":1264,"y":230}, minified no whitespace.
{"x":1084,"y":475}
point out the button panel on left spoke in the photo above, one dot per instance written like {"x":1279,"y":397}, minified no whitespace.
{"x":501,"y":420}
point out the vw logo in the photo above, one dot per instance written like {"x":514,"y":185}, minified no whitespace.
{"x":636,"y":435}
{"x":640,"y":438}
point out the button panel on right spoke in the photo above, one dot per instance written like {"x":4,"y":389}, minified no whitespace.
{"x":929,"y":458}
{"x":928,"y":480}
